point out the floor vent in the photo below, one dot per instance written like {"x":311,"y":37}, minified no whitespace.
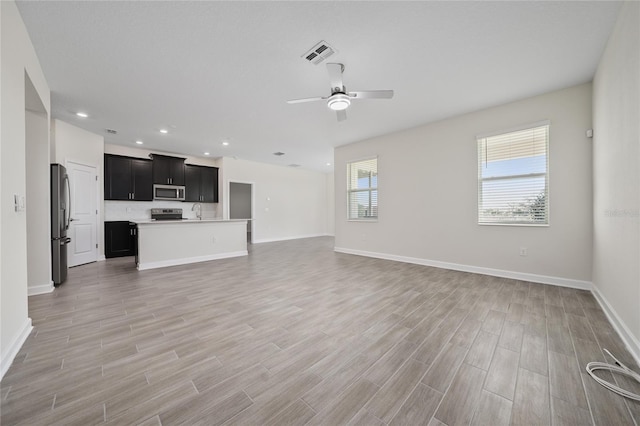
{"x":279,"y":154}
{"x":319,"y":53}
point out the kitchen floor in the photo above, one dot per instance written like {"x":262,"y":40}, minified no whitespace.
{"x":297,"y":334}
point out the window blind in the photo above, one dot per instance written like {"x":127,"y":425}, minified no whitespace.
{"x":513,"y":182}
{"x":362,"y":189}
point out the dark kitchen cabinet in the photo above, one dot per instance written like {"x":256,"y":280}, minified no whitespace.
{"x":201,"y":184}
{"x":127,"y":178}
{"x":120,"y":239}
{"x":168,"y":170}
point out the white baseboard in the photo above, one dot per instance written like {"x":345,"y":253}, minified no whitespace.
{"x":632,"y":343}
{"x":297,"y":237}
{"x":101,"y":258}
{"x":14,"y":347}
{"x":187,"y":260}
{"x":544,"y":279}
{"x":33,"y":290}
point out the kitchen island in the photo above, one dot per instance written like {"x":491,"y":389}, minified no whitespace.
{"x":177,"y":242}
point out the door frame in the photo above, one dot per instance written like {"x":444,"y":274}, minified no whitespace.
{"x":98,"y":205}
{"x":227,"y":203}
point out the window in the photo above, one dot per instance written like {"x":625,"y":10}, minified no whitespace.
{"x":362,"y":189}
{"x":513,"y":178}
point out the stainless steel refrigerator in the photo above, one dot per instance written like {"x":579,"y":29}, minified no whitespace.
{"x":60,"y":219}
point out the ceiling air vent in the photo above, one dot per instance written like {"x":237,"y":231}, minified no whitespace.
{"x":294,"y":165}
{"x":278,"y":154}
{"x":111,"y":131}
{"x":319,"y":53}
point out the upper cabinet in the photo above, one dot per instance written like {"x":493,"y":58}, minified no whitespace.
{"x":168,"y":170}
{"x":127,"y":178}
{"x":201,"y":183}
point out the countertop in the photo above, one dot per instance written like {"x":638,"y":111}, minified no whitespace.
{"x":158,"y":222}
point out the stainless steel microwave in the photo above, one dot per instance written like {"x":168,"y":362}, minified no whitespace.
{"x":168,"y":192}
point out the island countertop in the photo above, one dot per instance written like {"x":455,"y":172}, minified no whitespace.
{"x":190,"y":221}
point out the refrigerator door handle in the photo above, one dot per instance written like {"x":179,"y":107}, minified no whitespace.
{"x":65,"y":241}
{"x":68,"y":218}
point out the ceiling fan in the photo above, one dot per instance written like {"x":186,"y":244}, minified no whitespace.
{"x":340,"y":99}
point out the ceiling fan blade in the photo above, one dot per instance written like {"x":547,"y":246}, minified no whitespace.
{"x":372,"y":94}
{"x":335,"y":76}
{"x":299,"y":101}
{"x":342,"y":115}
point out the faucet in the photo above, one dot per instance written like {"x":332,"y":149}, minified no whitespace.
{"x":198,"y":208}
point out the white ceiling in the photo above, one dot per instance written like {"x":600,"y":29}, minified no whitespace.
{"x":211,"y":71}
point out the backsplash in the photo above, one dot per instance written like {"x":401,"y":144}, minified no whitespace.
{"x":140,"y":210}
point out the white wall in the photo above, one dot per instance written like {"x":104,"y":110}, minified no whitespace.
{"x":38,"y":203}
{"x":428,"y":195}
{"x":142,"y":152}
{"x":331,"y":205}
{"x":616,"y":176}
{"x":17,"y":57}
{"x":288,"y":202}
{"x":71,"y":143}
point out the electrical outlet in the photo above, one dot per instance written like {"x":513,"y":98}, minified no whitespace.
{"x":523,"y":251}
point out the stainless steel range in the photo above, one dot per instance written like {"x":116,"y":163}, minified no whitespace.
{"x":166,"y":214}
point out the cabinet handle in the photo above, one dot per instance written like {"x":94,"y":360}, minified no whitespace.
{"x":133,"y":195}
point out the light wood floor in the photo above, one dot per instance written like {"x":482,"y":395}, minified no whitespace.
{"x":297,"y":334}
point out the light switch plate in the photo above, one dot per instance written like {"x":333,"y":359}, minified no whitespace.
{"x":18,"y":202}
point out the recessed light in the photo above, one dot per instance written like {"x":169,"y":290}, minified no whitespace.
{"x":82,"y":114}
{"x":164,"y":131}
{"x":225,"y":143}
{"x":328,"y":164}
{"x":206,"y":153}
{"x":139,"y":142}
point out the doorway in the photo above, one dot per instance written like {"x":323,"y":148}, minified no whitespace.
{"x":83,"y":227}
{"x":241,"y":204}
{"x":37,"y":202}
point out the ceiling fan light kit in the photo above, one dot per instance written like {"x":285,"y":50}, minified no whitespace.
{"x":340,"y":99}
{"x":338,"y":102}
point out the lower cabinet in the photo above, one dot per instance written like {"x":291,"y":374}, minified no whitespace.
{"x":120,"y":239}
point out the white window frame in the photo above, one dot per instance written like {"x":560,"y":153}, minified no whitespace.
{"x":479,"y":139}
{"x":370,"y":189}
